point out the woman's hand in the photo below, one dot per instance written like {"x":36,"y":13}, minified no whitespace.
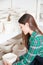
{"x":17,"y":59}
{"x":7,"y":63}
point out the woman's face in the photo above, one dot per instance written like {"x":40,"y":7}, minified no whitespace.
{"x":25,"y":28}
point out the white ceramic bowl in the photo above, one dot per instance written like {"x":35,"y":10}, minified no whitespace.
{"x":9,"y":57}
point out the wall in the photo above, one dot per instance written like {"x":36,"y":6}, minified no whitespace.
{"x":26,"y":5}
{"x":40,"y":14}
{"x":4,"y":4}
{"x":23,"y":4}
{"x":19,"y":7}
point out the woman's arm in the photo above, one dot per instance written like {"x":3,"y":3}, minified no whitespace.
{"x":30,"y":55}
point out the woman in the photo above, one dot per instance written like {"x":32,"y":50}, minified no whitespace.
{"x":33,"y":39}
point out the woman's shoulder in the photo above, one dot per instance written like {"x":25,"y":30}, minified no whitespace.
{"x":33,"y":35}
{"x":37,"y":35}
{"x":38,"y":38}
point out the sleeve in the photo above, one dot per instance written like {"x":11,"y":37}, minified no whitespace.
{"x":22,"y":61}
{"x":41,"y":49}
{"x":21,"y":57}
{"x":30,"y":55}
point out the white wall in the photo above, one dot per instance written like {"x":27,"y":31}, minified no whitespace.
{"x":26,"y":4}
{"x":29,"y":5}
{"x":4,"y":4}
{"x":22,"y":6}
{"x":19,"y":5}
{"x":40,"y":14}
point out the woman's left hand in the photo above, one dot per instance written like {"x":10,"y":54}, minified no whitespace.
{"x":17,"y":59}
{"x":9,"y":64}
{"x":6,"y":63}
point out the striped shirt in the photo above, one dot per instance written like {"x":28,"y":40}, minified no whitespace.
{"x":36,"y":48}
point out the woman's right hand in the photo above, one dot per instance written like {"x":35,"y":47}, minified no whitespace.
{"x":17,"y":59}
{"x":6,"y":63}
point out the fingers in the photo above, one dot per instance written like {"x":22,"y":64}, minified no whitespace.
{"x":6,"y":63}
{"x":9,"y":64}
